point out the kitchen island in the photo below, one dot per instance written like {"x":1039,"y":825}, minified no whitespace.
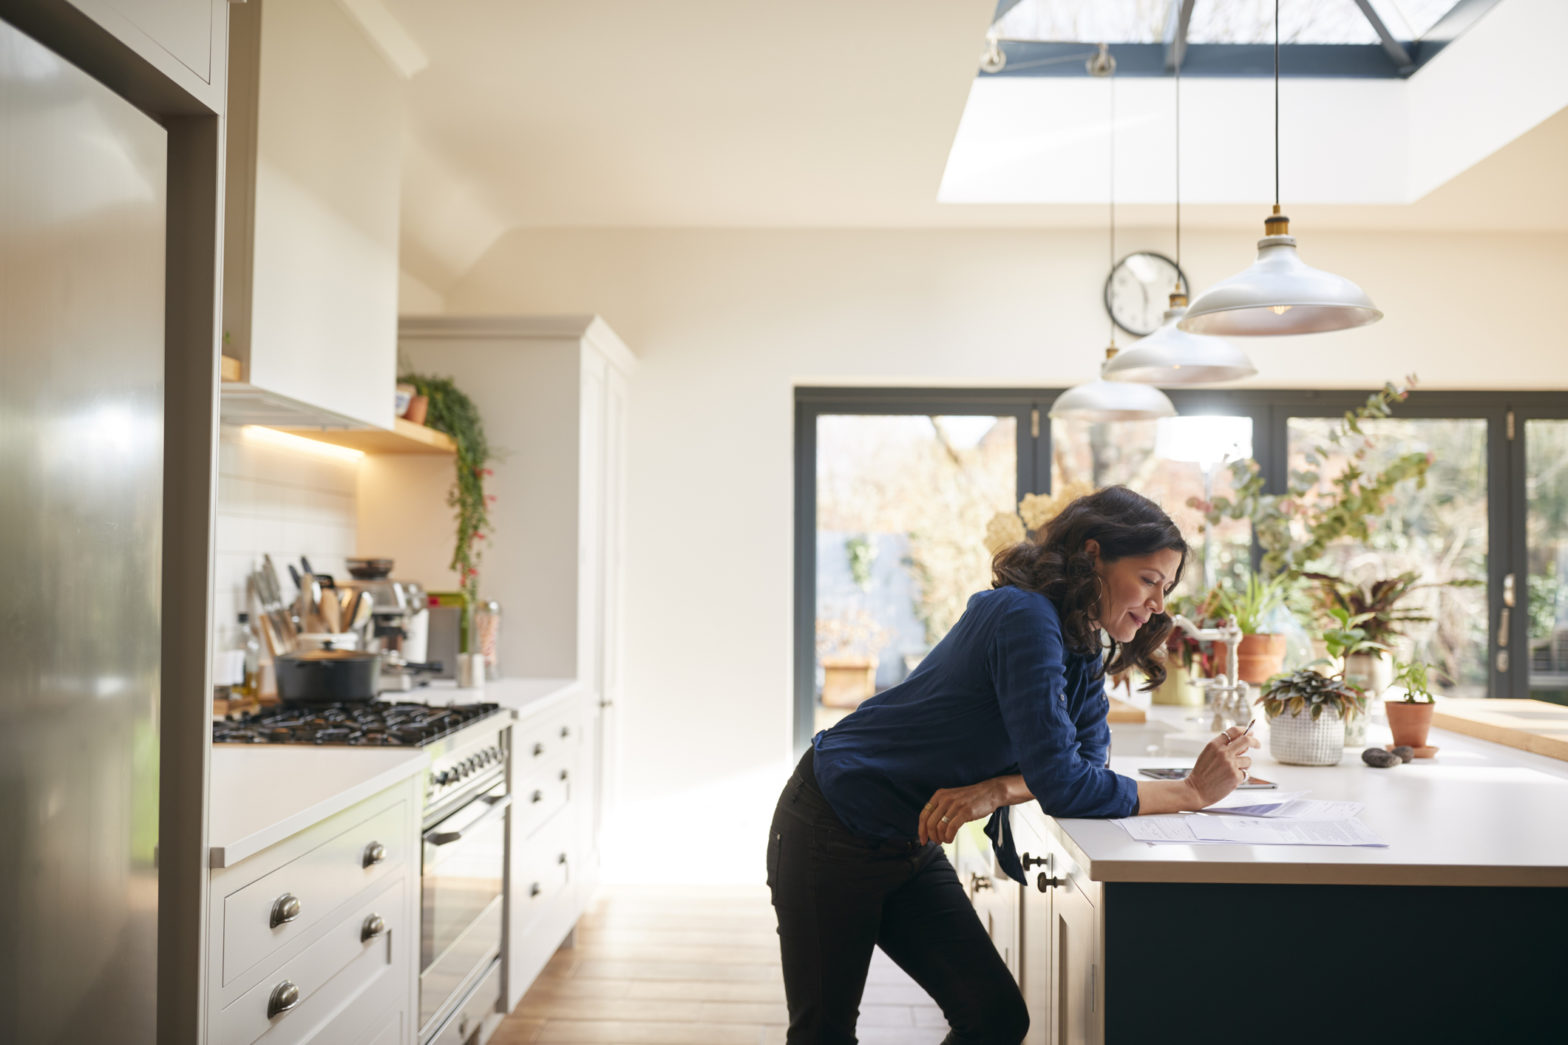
{"x":1451,"y":933}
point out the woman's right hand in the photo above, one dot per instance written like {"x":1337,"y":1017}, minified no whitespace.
{"x":1222,"y":764}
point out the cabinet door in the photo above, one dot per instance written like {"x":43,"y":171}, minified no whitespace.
{"x":1036,"y":976}
{"x":1075,"y":957}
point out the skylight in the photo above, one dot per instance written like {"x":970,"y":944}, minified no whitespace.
{"x":1218,"y":21}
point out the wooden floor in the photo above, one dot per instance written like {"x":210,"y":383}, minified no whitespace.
{"x":692,"y":965}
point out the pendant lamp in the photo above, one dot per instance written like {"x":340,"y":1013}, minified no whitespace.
{"x":1109,"y":400}
{"x":1279,"y":294}
{"x":1170,"y":355}
{"x":1103,"y":399}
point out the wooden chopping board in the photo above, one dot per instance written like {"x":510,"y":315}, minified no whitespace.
{"x":1121,"y":711}
{"x":1530,"y":725}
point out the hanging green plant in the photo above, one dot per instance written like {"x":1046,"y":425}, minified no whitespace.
{"x":452,"y":412}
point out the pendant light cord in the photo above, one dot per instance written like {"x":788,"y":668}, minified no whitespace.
{"x":1276,"y":106}
{"x":1179,"y":288}
{"x":1111,"y":76}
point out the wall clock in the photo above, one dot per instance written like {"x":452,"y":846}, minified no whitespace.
{"x":1138,"y":291}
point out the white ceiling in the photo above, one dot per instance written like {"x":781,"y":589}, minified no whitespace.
{"x":745,"y":113}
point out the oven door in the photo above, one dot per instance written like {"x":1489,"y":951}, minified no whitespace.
{"x":461,"y":891}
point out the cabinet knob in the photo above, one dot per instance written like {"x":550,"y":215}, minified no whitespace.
{"x":374,"y":926}
{"x":375,"y":852}
{"x":566,"y":731}
{"x":1036,"y":861}
{"x":1044,"y":882}
{"x":538,"y":796}
{"x":561,"y":859}
{"x":284,"y":909}
{"x":534,"y":890}
{"x":564,"y":774}
{"x":978,"y":882}
{"x":538,"y":750}
{"x":283,"y":998}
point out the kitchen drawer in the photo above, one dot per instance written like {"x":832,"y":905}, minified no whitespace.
{"x":485,"y":1000}
{"x":535,"y":743}
{"x":330,"y":975}
{"x":536,"y":799}
{"x":544,"y":870}
{"x":319,"y":881}
{"x":391,"y":1034}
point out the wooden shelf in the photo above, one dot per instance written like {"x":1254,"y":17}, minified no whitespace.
{"x":404,"y":438}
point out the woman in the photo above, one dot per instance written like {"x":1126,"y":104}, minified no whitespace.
{"x":1008,"y":707}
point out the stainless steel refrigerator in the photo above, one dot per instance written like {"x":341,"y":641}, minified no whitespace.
{"x":82,"y":230}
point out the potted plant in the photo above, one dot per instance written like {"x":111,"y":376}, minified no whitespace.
{"x":1410,"y":717}
{"x":1307,"y":712}
{"x":1350,"y":647}
{"x":847,"y":648}
{"x":1262,"y":652}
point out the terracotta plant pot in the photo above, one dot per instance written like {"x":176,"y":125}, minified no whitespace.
{"x":1409,"y":721}
{"x":417,"y":407}
{"x":848,"y":680}
{"x":1259,"y":657}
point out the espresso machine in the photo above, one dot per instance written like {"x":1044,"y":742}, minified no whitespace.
{"x":400,"y":623}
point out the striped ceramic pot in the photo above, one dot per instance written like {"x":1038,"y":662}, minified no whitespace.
{"x":1301,"y":740}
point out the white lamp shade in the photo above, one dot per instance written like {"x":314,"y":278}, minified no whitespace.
{"x":1279,"y":294}
{"x":1171,"y":356}
{"x":1102,"y":400}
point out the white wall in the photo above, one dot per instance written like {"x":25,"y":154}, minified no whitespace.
{"x":281,"y":502}
{"x":726,"y":323}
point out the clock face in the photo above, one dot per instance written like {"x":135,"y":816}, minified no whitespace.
{"x":1138,"y":291}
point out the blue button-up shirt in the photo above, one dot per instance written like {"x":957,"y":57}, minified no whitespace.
{"x":1000,"y":694}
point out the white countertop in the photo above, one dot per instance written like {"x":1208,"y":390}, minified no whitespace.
{"x":262,"y":794}
{"x":1476,"y":814}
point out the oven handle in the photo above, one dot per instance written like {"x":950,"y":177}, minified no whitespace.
{"x":498,"y":807}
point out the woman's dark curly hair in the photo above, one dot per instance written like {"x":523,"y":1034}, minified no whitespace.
{"x":1056,"y":564}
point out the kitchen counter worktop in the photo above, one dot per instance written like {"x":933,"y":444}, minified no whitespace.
{"x":262,"y":794}
{"x":1479,"y":814}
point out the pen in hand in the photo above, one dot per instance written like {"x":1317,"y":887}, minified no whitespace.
{"x":1243,"y":733}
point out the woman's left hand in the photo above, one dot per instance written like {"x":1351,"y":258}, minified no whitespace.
{"x":952,"y":807}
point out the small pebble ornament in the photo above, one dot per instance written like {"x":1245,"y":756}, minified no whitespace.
{"x":1404,"y":751}
{"x":1379,"y":759}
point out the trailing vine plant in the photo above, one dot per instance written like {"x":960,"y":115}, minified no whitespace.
{"x":452,"y":412}
{"x":1354,"y":500}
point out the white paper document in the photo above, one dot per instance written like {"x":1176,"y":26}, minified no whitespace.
{"x":1292,"y":808}
{"x":1183,"y":829}
{"x":1239,"y":830}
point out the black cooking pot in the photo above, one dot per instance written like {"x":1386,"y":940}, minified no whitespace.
{"x":321,"y":676}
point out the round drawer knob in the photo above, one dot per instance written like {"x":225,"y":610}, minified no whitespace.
{"x":1045,"y":883}
{"x":374,"y":926}
{"x":564,"y":774}
{"x":284,"y":909}
{"x":534,"y":890}
{"x":538,"y":750}
{"x":538,"y":796}
{"x":283,"y":998}
{"x":375,"y":852}
{"x":566,"y":731}
{"x":561,"y":859}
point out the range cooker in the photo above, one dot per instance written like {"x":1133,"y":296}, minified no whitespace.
{"x":463,"y":865}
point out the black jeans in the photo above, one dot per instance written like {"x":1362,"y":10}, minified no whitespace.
{"x":838,"y":896}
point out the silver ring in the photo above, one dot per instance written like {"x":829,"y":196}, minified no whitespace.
{"x":944,"y":820}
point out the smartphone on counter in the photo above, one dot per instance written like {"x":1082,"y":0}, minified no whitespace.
{"x":1252,"y":783}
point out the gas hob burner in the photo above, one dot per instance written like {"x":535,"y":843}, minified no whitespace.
{"x":364,"y":724}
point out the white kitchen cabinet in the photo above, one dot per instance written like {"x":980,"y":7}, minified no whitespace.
{"x":311,"y":219}
{"x":316,"y":937}
{"x":1060,"y":940}
{"x":553,"y":393}
{"x":185,"y":40}
{"x":994,"y":895}
{"x":545,"y":888}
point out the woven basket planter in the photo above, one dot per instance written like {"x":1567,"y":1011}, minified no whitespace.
{"x":1301,"y":740}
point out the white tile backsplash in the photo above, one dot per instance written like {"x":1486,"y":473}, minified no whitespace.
{"x":282,"y":502}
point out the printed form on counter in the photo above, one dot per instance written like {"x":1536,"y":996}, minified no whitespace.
{"x":1197,"y":829}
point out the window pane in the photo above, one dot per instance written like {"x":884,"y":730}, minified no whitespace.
{"x":1546,"y":543}
{"x":902,"y":507}
{"x":1439,"y":531}
{"x":1168,"y":461}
